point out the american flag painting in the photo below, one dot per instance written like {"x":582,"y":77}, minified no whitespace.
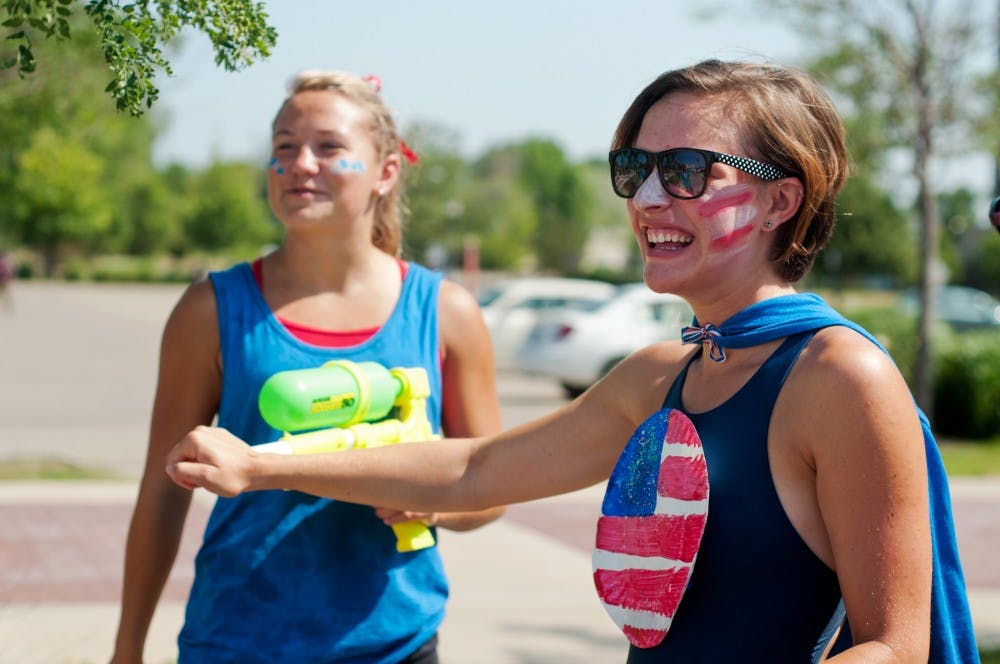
{"x":653,"y":517}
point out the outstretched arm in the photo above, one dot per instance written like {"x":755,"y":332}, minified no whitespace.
{"x":571,"y":448}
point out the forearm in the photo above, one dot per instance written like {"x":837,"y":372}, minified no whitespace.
{"x":433,"y":477}
{"x":151,"y":548}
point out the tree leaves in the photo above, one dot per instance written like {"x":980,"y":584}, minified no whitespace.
{"x":132,"y":36}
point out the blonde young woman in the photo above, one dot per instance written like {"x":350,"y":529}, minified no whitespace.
{"x":283,"y":576}
{"x":785,"y":472}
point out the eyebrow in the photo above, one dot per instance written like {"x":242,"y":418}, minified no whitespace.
{"x":324,"y":133}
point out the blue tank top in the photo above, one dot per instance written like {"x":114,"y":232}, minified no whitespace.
{"x":757,"y":593}
{"x":283,"y":576}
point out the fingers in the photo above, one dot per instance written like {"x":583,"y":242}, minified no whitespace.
{"x":187,"y":474}
{"x":391,"y":517}
{"x":210,"y":458}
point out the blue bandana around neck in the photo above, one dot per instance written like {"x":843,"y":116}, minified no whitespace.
{"x":952,"y":635}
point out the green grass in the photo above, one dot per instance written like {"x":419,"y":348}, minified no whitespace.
{"x":990,"y":655}
{"x":47,"y":468}
{"x":962,"y":458}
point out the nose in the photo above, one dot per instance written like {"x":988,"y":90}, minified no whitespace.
{"x":305,"y":161}
{"x":651,"y":194}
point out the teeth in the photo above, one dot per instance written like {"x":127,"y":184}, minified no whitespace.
{"x":655,"y":237}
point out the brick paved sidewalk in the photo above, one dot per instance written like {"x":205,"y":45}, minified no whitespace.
{"x":62,"y":544}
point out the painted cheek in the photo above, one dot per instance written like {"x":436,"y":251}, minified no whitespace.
{"x":651,"y":193}
{"x":728,"y":217}
{"x":275,"y":166}
{"x":345,"y":166}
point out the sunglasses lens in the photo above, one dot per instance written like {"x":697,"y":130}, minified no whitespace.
{"x":683,"y":173}
{"x":629,"y":169}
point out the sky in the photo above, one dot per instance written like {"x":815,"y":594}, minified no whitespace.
{"x":565,"y":70}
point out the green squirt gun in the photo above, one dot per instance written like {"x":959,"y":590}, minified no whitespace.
{"x":344,"y":405}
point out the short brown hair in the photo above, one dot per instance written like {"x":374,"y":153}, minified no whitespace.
{"x":387,"y":232}
{"x":785,"y":118}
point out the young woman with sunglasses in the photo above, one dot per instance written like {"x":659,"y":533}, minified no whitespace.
{"x":284,"y":576}
{"x":795,"y":480}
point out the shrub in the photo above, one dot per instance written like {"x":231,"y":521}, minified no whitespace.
{"x":967,"y":386}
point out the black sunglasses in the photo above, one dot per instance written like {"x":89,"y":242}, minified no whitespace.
{"x":683,"y":171}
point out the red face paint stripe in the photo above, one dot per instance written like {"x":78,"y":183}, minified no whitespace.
{"x":729,"y":240}
{"x":664,"y":535}
{"x":656,"y":591}
{"x":718,"y":203}
{"x":684,"y":478}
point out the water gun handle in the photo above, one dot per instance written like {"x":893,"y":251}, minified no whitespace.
{"x":410,"y":535}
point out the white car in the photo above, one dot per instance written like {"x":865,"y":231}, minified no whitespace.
{"x":576,"y":348}
{"x":512,"y":307}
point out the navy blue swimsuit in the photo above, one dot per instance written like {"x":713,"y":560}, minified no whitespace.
{"x":757,"y":593}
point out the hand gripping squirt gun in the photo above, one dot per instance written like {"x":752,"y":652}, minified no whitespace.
{"x":353,"y":401}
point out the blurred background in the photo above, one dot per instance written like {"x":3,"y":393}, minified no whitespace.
{"x":135,"y":142}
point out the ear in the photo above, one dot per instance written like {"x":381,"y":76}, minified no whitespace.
{"x":787,"y":195}
{"x":388,"y":175}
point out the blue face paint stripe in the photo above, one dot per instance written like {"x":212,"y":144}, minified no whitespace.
{"x":345,"y":166}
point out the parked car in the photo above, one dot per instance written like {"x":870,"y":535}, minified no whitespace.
{"x":512,"y":307}
{"x":961,"y":307}
{"x":578,"y":347}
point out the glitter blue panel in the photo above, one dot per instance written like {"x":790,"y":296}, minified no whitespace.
{"x":632,"y":488}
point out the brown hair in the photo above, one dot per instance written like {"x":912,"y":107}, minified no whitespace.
{"x":387,"y":231}
{"x":785,"y":118}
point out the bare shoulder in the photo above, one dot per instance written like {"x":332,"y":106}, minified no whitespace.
{"x":844,"y":387}
{"x":457,"y":304}
{"x":838,"y":357}
{"x":193,"y":323}
{"x":461,"y":326}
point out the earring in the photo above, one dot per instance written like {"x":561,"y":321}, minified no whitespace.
{"x":767,"y":225}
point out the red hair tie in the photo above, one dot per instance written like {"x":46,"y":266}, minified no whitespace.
{"x":404,"y":149}
{"x":408,"y":154}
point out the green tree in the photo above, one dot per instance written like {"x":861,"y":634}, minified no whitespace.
{"x":131,"y":37}
{"x":909,"y":64}
{"x":873,"y":239}
{"x":61,"y":98}
{"x":436,"y":187}
{"x":562,"y":200}
{"x":957,"y":209}
{"x":228,"y":210}
{"x":501,"y":218}
{"x":556,"y":191}
{"x":983,"y":270}
{"x":61,"y":198}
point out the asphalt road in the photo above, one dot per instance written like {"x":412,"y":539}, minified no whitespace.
{"x":78,"y":370}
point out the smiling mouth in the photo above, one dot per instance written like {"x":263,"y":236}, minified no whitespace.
{"x":667,"y":239}
{"x":304,"y":191}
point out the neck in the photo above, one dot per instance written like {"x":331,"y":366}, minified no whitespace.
{"x":319,"y":264}
{"x":716,"y":310}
